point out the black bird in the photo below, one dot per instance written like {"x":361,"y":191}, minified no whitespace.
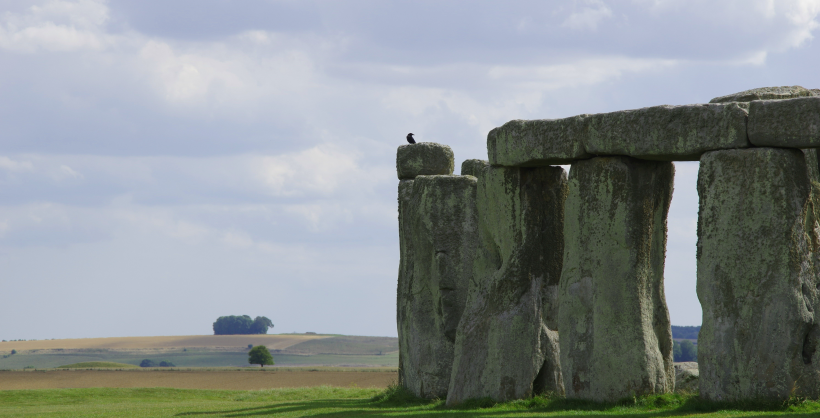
{"x":410,"y":139}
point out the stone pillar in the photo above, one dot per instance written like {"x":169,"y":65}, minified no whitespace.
{"x":437,"y":234}
{"x":504,"y":347}
{"x":758,"y":238}
{"x":616,"y":339}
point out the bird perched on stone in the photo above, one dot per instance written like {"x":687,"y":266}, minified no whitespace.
{"x":410,"y":138}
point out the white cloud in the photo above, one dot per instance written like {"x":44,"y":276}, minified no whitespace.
{"x":589,"y":17}
{"x":7,"y":163}
{"x":321,"y":170}
{"x":57,"y":26}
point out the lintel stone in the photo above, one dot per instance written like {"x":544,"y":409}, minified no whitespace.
{"x":765,"y":93}
{"x":532,"y":143}
{"x":668,"y":133}
{"x":660,"y":133}
{"x":792,"y":123}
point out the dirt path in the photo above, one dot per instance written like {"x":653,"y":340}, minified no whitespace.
{"x":237,"y":380}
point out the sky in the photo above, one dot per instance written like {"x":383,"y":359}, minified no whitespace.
{"x":166,"y":163}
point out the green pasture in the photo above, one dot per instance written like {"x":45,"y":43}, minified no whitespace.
{"x":355,"y":402}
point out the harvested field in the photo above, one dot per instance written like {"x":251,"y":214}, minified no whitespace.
{"x":183,"y":379}
{"x":273,"y":342}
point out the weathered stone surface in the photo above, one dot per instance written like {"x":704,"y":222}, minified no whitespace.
{"x":764,"y":93}
{"x":438,"y":236}
{"x":531,"y":143}
{"x":793,"y":123}
{"x":424,"y":159}
{"x":668,"y":133}
{"x":504,"y":347}
{"x":473,"y":167}
{"x":816,"y":92}
{"x":757,"y":279}
{"x":686,"y":377}
{"x":616,"y":339}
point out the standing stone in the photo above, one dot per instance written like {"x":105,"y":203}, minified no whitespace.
{"x":616,"y":339}
{"x":504,"y":347}
{"x":758,"y":239}
{"x":473,"y":167}
{"x":438,"y":235}
{"x":423,"y":159}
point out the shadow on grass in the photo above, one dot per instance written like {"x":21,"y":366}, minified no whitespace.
{"x":395,"y":401}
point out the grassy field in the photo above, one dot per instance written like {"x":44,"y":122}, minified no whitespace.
{"x":204,"y":351}
{"x":230,"y":379}
{"x":353,"y":402}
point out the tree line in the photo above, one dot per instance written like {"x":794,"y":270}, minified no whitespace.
{"x":236,"y":325}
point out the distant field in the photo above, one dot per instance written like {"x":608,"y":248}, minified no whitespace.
{"x":194,"y":351}
{"x":197,"y":379}
{"x":273,"y":342}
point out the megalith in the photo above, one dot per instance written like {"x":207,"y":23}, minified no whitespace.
{"x":616,"y":339}
{"x":757,"y":281}
{"x":438,"y":236}
{"x":505,"y":348}
{"x":424,"y":159}
{"x":473,"y":167}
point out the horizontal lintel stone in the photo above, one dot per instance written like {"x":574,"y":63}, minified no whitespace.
{"x":668,"y":133}
{"x":661,"y":133}
{"x":792,"y":123}
{"x":531,"y":143}
{"x":765,"y":93}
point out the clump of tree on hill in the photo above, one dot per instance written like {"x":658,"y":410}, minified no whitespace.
{"x":234,"y":325}
{"x":685,"y":351}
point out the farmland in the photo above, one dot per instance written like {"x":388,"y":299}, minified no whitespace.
{"x":204,"y":351}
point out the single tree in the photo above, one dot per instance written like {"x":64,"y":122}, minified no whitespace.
{"x":260,"y":355}
{"x":166,"y":363}
{"x":148,"y":363}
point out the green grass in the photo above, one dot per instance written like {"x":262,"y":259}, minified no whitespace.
{"x":358,"y":402}
{"x":98,"y":365}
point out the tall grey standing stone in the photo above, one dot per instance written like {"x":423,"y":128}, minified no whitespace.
{"x":757,"y":255}
{"x":438,"y":229}
{"x":616,"y":339}
{"x":424,"y":159}
{"x":504,"y":347}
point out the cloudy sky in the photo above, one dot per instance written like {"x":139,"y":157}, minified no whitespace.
{"x":165,"y":163}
